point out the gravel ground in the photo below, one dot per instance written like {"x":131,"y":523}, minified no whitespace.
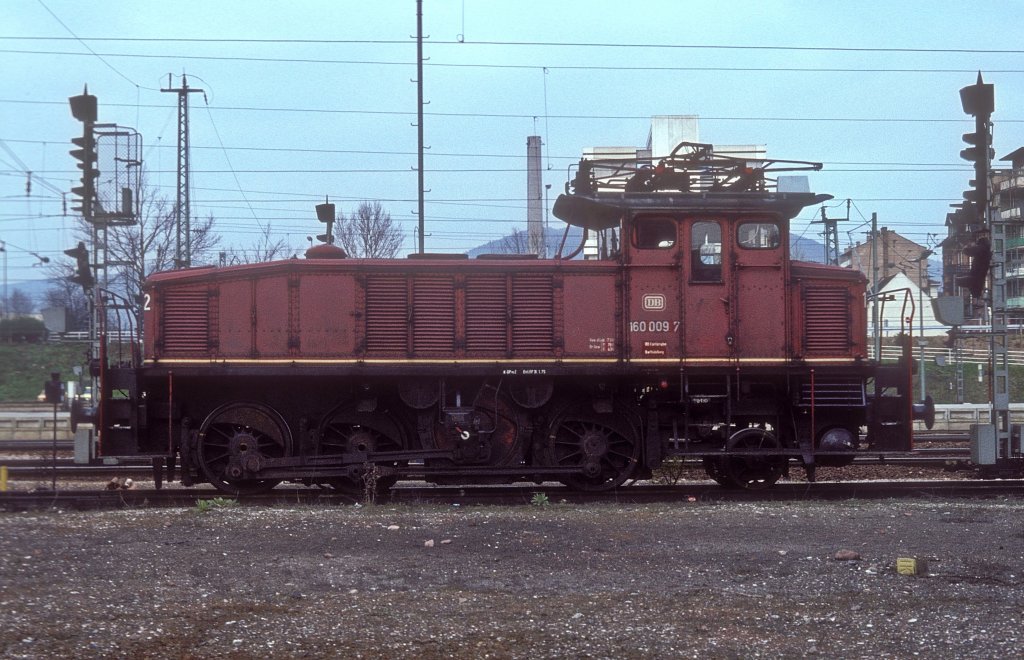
{"x":605,"y":581}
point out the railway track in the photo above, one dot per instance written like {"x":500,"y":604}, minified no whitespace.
{"x":545,"y":495}
{"x":31,"y":460}
{"x":67,"y":469}
{"x":17,"y":446}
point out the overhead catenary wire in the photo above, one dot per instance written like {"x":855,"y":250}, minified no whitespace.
{"x":960,"y":164}
{"x":559,"y":44}
{"x":87,"y":47}
{"x":529,"y":116}
{"x":254,"y":201}
{"x":530,"y":67}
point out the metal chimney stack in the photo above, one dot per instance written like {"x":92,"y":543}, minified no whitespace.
{"x":534,"y":197}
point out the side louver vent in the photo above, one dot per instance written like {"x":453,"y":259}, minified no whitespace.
{"x":387,"y":315}
{"x":486,"y":315}
{"x":433,"y":315}
{"x":826,"y":321}
{"x":186,"y":322}
{"x":532,"y":314}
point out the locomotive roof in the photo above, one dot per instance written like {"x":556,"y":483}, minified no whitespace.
{"x":603,"y":210}
{"x":692,"y":179}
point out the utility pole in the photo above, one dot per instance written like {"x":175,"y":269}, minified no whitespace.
{"x":419,"y":117}
{"x":832,"y":235}
{"x":182,"y":210}
{"x":3,"y":248}
{"x":922,"y":270}
{"x":874,"y":287}
{"x":534,"y":228}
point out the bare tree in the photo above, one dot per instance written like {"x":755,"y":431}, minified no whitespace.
{"x":369,"y":233}
{"x":518,"y":242}
{"x":264,"y":249}
{"x":20,"y":304}
{"x":151,"y":245}
{"x":136,"y":251}
{"x":65,"y":293}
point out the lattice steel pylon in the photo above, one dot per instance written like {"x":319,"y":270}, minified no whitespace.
{"x":831,"y":233}
{"x":182,"y":210}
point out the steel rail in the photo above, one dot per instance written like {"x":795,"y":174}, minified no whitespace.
{"x":686,"y":494}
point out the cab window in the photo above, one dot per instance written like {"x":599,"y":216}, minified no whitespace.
{"x":706,"y":252}
{"x":758,"y":235}
{"x":654,"y":233}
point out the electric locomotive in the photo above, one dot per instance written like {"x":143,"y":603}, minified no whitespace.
{"x":693,"y":334}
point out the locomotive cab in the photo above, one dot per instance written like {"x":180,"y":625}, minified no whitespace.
{"x":699,"y":284}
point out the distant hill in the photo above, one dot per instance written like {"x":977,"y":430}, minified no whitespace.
{"x":552,"y":239}
{"x":802,"y":248}
{"x":34,"y":289}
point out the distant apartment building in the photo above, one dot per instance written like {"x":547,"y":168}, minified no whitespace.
{"x":1009,"y":200}
{"x":1007,"y":190}
{"x":892,"y":254}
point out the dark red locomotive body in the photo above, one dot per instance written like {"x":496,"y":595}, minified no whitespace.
{"x":695,"y":335}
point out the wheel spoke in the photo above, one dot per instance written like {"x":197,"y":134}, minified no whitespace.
{"x":217,"y":457}
{"x":224,"y":442}
{"x":570,"y":458}
{"x":223,"y":432}
{"x":597,"y":444}
{"x":345,"y":431}
{"x":753,"y":472}
{"x":620,"y":454}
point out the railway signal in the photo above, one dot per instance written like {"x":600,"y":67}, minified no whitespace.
{"x":325,"y":214}
{"x":83,"y":108}
{"x":981,"y":259}
{"x":978,"y":100}
{"x":86,"y":155}
{"x":997,"y":441}
{"x":83,"y":271}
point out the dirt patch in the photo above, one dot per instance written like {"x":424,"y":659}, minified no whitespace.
{"x":707,"y":580}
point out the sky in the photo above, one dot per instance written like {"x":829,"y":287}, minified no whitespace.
{"x":314,"y":99}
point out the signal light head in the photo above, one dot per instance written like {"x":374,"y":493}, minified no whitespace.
{"x":979,"y":98}
{"x":83,"y":107}
{"x":83,"y":271}
{"x":981,"y":259}
{"x":325,"y":212}
{"x":78,"y":252}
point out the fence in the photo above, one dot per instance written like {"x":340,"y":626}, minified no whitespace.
{"x":968,"y":355}
{"x":123,"y":336}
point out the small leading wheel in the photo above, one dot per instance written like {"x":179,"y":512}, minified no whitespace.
{"x":753,"y":472}
{"x":714,"y":466}
{"x":605,"y":447}
{"x":347,"y":431}
{"x":234,"y":440}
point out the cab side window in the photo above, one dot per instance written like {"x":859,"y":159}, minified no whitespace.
{"x":706,"y":252}
{"x":758,"y":235}
{"x":654,"y":233}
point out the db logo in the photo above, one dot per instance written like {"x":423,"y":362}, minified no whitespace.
{"x":653,"y":302}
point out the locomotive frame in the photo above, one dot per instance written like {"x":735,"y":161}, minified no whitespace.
{"x":695,"y":335}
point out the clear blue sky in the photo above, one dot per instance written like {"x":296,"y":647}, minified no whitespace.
{"x":315,"y":98}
